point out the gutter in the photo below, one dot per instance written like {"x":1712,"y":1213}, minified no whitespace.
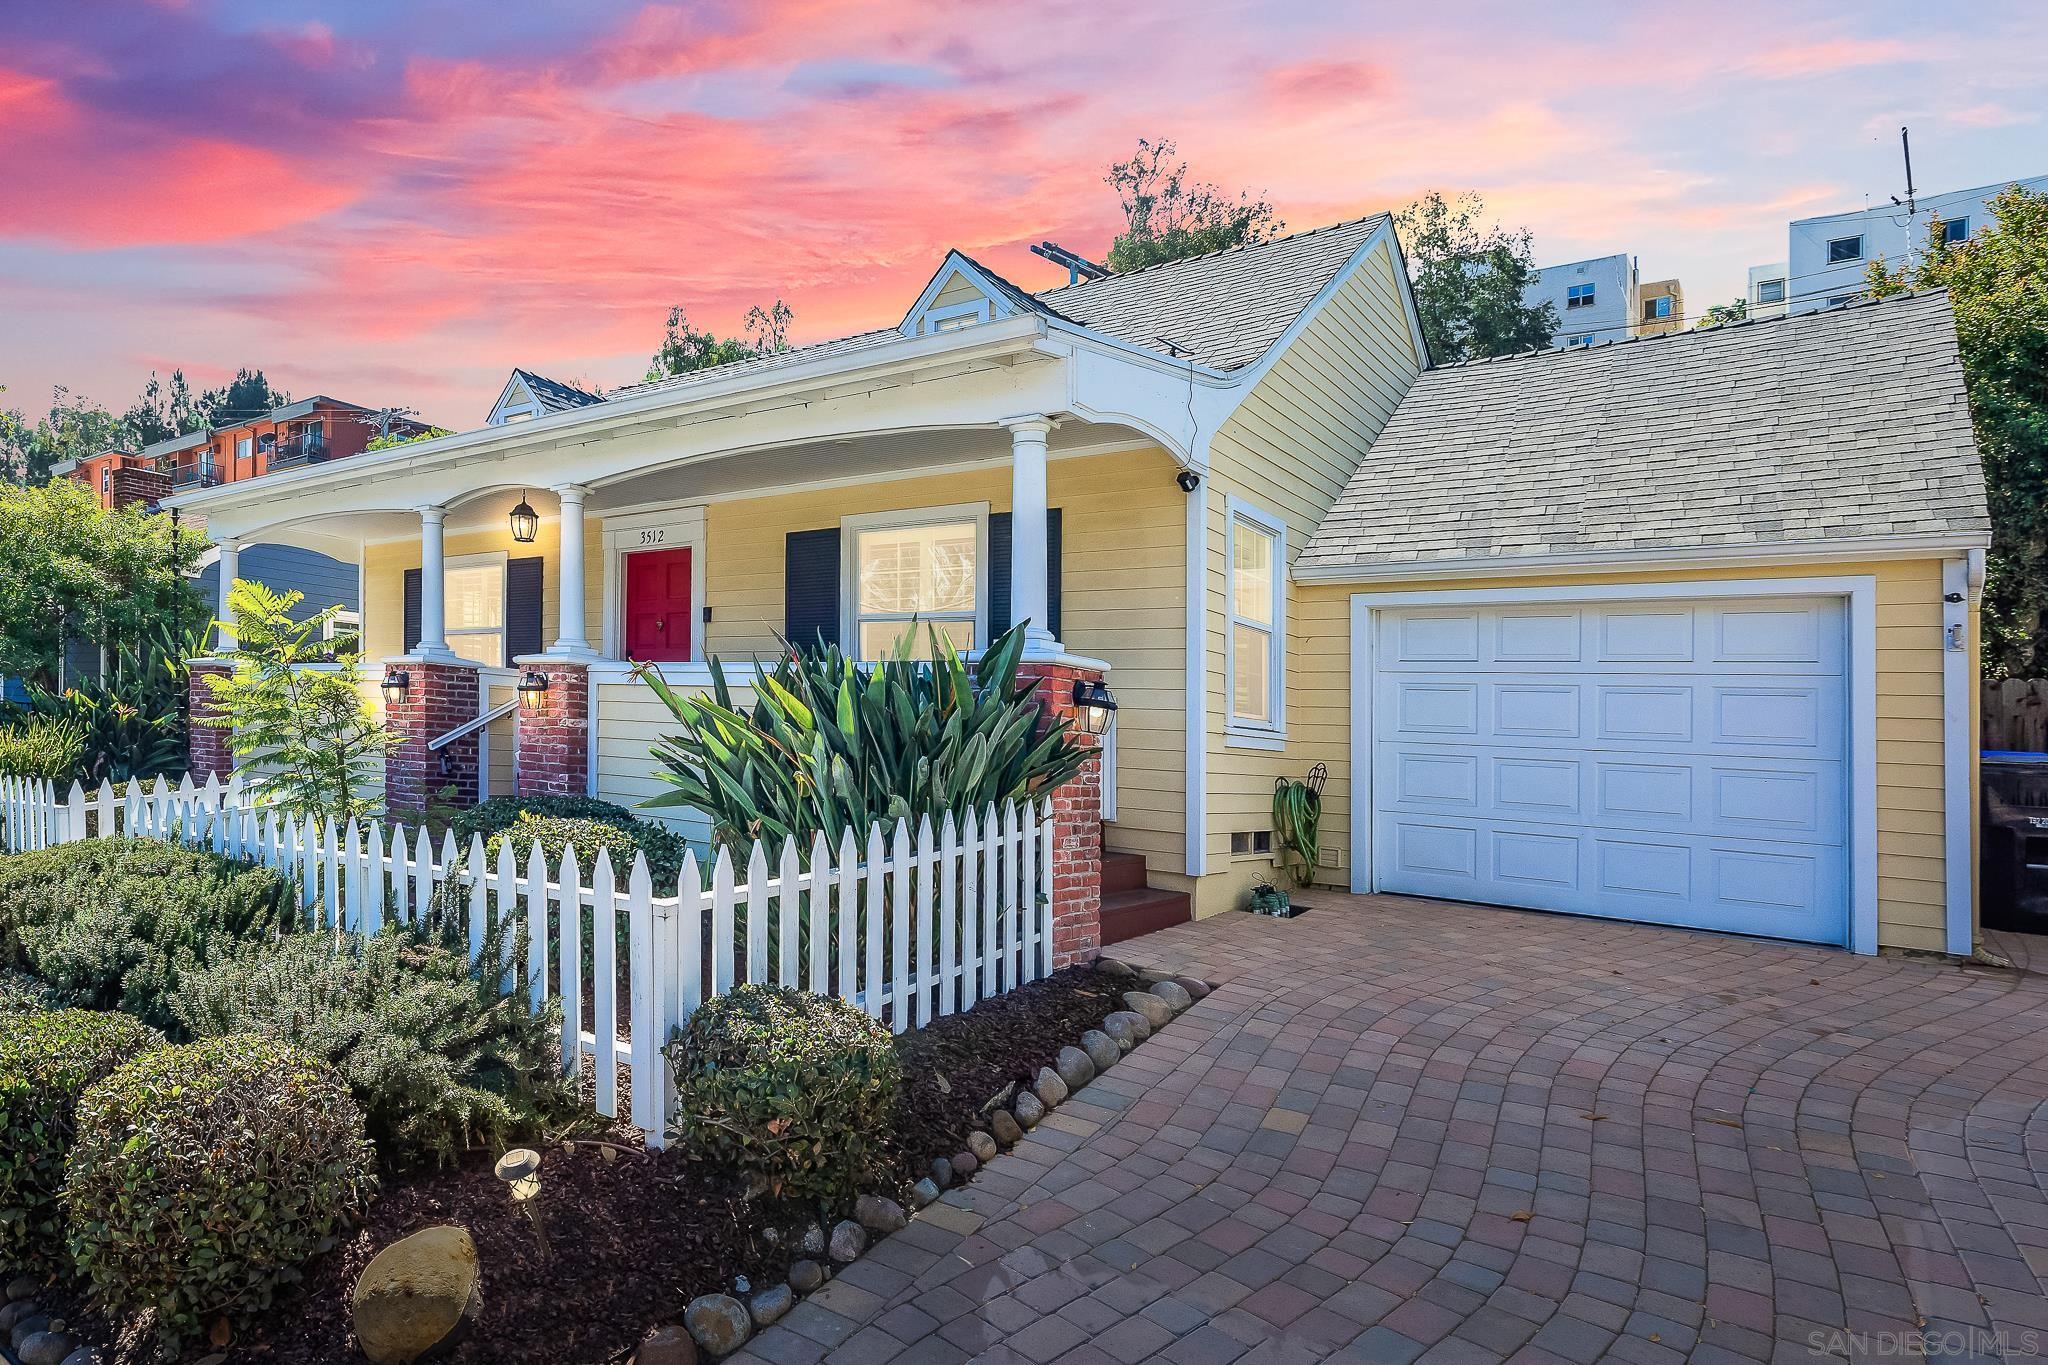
{"x":1932,"y":544}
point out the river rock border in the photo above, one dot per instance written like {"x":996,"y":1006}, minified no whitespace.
{"x":719,"y":1324}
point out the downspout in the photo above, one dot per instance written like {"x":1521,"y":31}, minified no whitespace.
{"x":1962,"y":580}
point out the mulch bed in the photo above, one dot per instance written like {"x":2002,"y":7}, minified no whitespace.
{"x":634,"y":1236}
{"x":953,"y":1067}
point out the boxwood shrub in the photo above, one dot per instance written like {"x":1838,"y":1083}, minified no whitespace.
{"x":439,"y":1062}
{"x":203,"y":1176}
{"x":21,"y":993}
{"x":106,"y":922}
{"x":795,"y":1090}
{"x":663,"y":846}
{"x":46,"y":1062}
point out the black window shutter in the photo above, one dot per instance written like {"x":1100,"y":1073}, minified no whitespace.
{"x":810,"y":587}
{"x":412,"y":611}
{"x":524,"y":584}
{"x":999,"y":571}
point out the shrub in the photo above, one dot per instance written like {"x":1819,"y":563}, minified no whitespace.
{"x":21,"y":993}
{"x":107,"y":922}
{"x":663,"y":846}
{"x":830,"y":745}
{"x":438,"y":1061}
{"x":204,"y":1175}
{"x":42,"y":747}
{"x":46,"y":1063}
{"x":794,"y":1089}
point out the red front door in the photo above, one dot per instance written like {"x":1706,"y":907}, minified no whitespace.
{"x":658,"y":606}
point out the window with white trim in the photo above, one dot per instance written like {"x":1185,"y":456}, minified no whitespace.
{"x":1579,"y":296}
{"x":913,"y":572}
{"x":475,"y":589}
{"x":1844,"y":249}
{"x":954,"y":316}
{"x":1258,"y":626}
{"x":1955,"y":230}
{"x":1770,"y":291}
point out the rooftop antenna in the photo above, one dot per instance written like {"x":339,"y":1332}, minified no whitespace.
{"x":1079,"y":268}
{"x":1912,"y":203}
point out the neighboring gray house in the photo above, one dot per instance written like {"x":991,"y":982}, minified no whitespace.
{"x":326,"y":582}
{"x":1594,"y":300}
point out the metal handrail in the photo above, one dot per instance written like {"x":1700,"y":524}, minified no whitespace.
{"x":472,"y":726}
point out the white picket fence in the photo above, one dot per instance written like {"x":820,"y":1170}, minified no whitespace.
{"x":908,"y":925}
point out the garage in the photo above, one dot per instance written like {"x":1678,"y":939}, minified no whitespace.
{"x":1676,"y":761}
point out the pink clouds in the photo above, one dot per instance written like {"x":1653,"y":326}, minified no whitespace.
{"x":151,"y":188}
{"x":440,"y":201}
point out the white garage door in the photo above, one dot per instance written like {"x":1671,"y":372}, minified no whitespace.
{"x":1678,"y":762}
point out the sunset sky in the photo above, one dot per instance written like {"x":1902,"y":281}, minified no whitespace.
{"x":394,"y":201}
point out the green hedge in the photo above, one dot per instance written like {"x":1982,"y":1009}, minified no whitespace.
{"x":439,"y":1062}
{"x":203,"y":1176}
{"x":793,"y":1089}
{"x":46,"y":1063}
{"x":107,"y":923}
{"x":663,"y":846}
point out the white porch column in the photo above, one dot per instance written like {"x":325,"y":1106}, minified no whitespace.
{"x":1028,"y":599}
{"x":433,"y":586}
{"x":569,"y":636}
{"x":230,"y":565}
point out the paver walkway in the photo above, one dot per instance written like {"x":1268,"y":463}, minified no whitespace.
{"x":1402,"y":1130}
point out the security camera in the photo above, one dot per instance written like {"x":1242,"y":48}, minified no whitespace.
{"x":1188,"y":480}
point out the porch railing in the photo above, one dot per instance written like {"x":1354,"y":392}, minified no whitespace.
{"x":909,"y":925}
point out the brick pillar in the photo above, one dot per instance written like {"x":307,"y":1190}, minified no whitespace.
{"x":1077,"y":826}
{"x":554,"y":737}
{"x":206,"y":747}
{"x":441,"y":697}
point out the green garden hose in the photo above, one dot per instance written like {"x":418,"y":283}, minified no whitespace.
{"x":1297,"y":816}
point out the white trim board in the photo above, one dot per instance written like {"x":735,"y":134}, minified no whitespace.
{"x":1860,"y":594}
{"x":1958,"y":753}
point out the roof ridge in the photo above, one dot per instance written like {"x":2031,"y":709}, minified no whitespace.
{"x":1219,"y":251}
{"x":1005,"y":282}
{"x":1701,"y":329}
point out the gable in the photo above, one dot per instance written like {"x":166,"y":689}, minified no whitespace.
{"x":516,"y":404}
{"x":960,"y":294}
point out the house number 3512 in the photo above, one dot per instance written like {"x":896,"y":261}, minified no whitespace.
{"x":653,"y":537}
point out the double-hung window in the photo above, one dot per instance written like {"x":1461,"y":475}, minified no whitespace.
{"x":1258,"y":622}
{"x":1578,"y":296}
{"x":475,"y":586}
{"x":910,"y":573}
{"x":1770,"y":291}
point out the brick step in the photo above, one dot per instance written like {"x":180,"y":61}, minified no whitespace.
{"x":1128,"y":914}
{"x":1122,"y":872}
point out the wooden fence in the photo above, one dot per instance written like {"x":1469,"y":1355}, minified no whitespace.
{"x":907,"y":924}
{"x":2014,"y":714}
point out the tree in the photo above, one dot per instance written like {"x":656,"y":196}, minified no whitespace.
{"x":182,"y":409}
{"x":684,"y":349}
{"x":1733,"y":311}
{"x":1469,"y":280}
{"x":148,"y":419}
{"x":1167,"y":217}
{"x":245,"y":397}
{"x":405,"y":438}
{"x":74,"y":427}
{"x":310,"y":731}
{"x":1997,"y":283}
{"x":68,"y":567}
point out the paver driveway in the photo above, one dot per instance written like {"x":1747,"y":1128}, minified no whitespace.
{"x":1406,"y":1130}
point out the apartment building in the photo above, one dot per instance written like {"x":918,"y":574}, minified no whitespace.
{"x":1594,"y":300}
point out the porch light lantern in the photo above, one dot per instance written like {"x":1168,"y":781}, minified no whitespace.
{"x":533,"y":691}
{"x":525,"y":522}
{"x":397,"y":683}
{"x":1094,"y":704}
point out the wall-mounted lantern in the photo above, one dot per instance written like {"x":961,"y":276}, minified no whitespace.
{"x":1094,"y":704}
{"x":533,"y":691}
{"x":397,"y":683}
{"x":525,"y":522}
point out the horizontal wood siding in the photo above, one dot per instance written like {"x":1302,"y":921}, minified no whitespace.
{"x":1289,"y":449}
{"x":385,"y":563}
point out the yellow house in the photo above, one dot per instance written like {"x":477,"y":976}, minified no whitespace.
{"x":1552,"y":648}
